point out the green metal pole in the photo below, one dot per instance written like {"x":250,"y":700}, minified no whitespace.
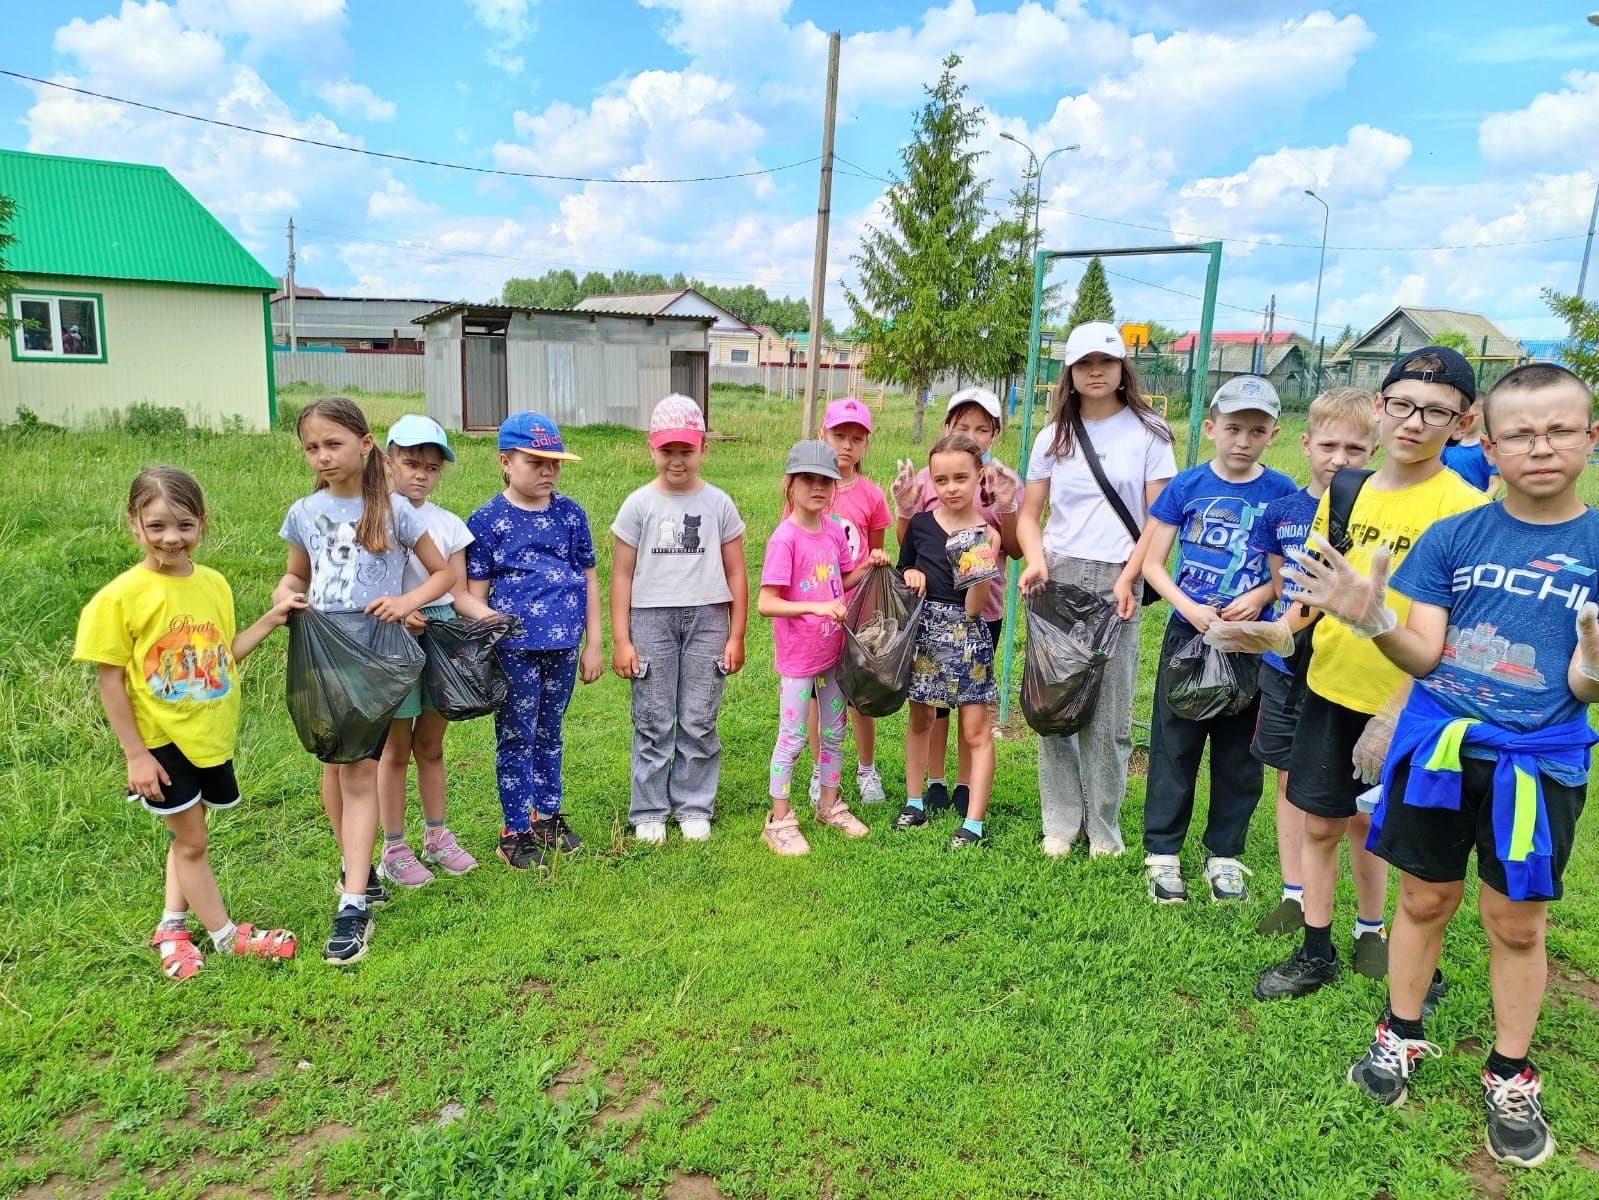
{"x":1041,"y":261}
{"x":1199,"y":384}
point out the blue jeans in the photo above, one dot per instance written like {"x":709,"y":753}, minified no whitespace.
{"x":528,"y":726}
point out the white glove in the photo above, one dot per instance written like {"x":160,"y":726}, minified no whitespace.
{"x":1251,"y":637}
{"x":1371,"y":747}
{"x":904,"y":489}
{"x":1588,"y":641}
{"x":1004,"y":486}
{"x":1327,"y":581}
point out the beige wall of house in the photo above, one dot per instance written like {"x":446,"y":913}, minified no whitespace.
{"x":203,"y":350}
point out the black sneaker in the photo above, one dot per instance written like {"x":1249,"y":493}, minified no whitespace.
{"x":1384,"y":1071}
{"x":959,"y":798}
{"x":1287,"y":917}
{"x":1371,"y":955}
{"x":1517,"y":1131}
{"x":376,"y":894}
{"x":965,"y":837}
{"x":521,"y":851}
{"x":1299,"y":975}
{"x":352,"y":930}
{"x":1436,"y":991}
{"x":910,"y":817}
{"x":556,"y":834}
{"x":937,"y":797}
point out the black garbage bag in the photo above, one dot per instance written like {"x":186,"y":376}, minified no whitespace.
{"x":347,"y":674}
{"x":1071,"y":634}
{"x":1203,"y":682}
{"x":874,"y":672}
{"x":463,"y":678}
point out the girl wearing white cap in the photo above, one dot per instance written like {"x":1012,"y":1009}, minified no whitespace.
{"x":1098,"y":418}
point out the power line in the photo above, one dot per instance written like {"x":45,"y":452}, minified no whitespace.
{"x":405,"y":158}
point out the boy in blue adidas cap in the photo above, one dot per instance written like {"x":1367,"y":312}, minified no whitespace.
{"x":532,"y":557}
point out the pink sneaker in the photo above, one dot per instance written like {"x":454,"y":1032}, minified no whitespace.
{"x":840,"y":817}
{"x":441,"y":849}
{"x":400,"y":867}
{"x":784,"y":837}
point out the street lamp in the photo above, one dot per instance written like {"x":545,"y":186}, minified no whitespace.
{"x":1315,"y":316}
{"x":1593,"y":218}
{"x":1038,"y":174}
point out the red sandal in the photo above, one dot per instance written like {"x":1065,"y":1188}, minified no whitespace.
{"x":184,"y":960}
{"x":251,"y":942}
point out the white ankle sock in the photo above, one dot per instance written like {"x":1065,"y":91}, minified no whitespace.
{"x":1367,"y":927}
{"x":1296,"y":894}
{"x":175,"y":917}
{"x":222,"y":938}
{"x":352,"y":900}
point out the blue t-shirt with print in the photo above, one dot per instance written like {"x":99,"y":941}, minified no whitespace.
{"x":1214,"y":520}
{"x":1284,"y":526}
{"x":1513,"y":591}
{"x":534,"y":560}
{"x":1471,"y":464}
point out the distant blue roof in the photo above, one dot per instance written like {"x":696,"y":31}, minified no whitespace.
{"x":1546,"y":349}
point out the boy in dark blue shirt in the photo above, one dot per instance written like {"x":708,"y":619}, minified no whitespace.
{"x":1491,"y":751}
{"x":1212,"y":509}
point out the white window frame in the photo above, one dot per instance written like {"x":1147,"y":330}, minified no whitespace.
{"x":739,"y":355}
{"x":19,"y":348}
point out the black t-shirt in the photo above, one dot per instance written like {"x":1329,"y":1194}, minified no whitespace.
{"x":923,"y":550}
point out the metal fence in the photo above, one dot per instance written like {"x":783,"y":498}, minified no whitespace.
{"x":369,"y":372}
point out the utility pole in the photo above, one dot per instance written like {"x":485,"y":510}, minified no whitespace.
{"x":824,"y":207}
{"x":294,"y":338}
{"x":1587,"y":247}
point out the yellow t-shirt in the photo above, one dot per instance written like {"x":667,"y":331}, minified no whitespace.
{"x":1349,"y":670}
{"x":173,"y":638}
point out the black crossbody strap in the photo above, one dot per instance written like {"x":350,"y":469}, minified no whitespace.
{"x":1117,"y":504}
{"x":1341,"y":495}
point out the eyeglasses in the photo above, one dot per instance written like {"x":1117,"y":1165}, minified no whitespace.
{"x":1431,"y":414}
{"x":1523,"y":443}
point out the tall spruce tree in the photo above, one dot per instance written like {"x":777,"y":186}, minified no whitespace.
{"x":8,"y":282}
{"x":925,"y":279}
{"x":1582,"y":319}
{"x":1093,"y":302}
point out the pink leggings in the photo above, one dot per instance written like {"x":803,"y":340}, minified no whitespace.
{"x":794,"y":702}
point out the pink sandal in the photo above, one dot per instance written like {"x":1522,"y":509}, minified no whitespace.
{"x":185,"y":960}
{"x":250,"y":942}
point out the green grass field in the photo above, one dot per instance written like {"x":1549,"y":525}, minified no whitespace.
{"x":880,"y":1019}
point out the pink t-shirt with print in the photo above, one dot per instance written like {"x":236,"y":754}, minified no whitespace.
{"x":860,"y":509}
{"x":927,"y":501}
{"x":807,"y":568}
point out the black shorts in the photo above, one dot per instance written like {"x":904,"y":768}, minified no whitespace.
{"x":1279,"y":718}
{"x":994,"y":628}
{"x":1433,"y":844}
{"x":214,"y":787}
{"x":1321,"y":771}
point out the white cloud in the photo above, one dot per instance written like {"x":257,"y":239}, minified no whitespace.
{"x":396,"y":201}
{"x":1557,"y":129}
{"x":147,"y":46}
{"x":356,"y":99}
{"x":511,"y":23}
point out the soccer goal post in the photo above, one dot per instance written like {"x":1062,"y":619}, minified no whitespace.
{"x":1198,"y":383}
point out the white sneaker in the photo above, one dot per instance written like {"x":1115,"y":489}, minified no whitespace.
{"x":652,"y":833}
{"x":1226,"y":879}
{"x":1057,"y":847}
{"x":694,"y":829}
{"x":870,"y":785}
{"x":816,"y":786}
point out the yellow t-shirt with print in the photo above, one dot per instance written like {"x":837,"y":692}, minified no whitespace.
{"x":173,"y":639}
{"x":1350,"y":670}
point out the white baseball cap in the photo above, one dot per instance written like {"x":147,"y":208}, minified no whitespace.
{"x":980,"y":396}
{"x":1247,"y":393}
{"x":1094,"y":337}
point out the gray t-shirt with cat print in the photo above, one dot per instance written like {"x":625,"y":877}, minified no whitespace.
{"x":345,"y":575}
{"x":679,"y":540}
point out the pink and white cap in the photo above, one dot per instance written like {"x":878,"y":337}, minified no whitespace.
{"x":848,"y":411}
{"x":677,"y":419}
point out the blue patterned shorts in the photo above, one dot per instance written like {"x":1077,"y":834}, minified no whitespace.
{"x":954,"y":662}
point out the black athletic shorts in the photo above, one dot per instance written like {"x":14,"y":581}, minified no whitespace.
{"x":1433,"y":844}
{"x":214,"y":787}
{"x":994,"y":628}
{"x":1321,"y":770}
{"x":1279,"y":718}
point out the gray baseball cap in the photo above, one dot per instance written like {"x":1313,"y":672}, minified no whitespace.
{"x":812,"y":458}
{"x":1246,"y":392}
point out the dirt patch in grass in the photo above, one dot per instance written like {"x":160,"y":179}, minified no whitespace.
{"x":1138,"y":762}
{"x":575,"y":1073}
{"x":61,"y":1185}
{"x":1469,"y":1046}
{"x":1489,"y":1178}
{"x":1568,"y":979}
{"x":700,"y":1115}
{"x":647,"y":1101}
{"x":535,"y":987}
{"x":1246,"y":1020}
{"x":687,"y":1185}
{"x":193,"y":1044}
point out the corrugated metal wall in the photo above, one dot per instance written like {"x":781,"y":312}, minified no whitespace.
{"x":442,"y":371}
{"x":369,"y":372}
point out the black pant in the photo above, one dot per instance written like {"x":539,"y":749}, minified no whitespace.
{"x":1176,"y":746}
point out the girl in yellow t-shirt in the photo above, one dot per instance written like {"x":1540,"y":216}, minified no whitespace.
{"x":162,"y":636}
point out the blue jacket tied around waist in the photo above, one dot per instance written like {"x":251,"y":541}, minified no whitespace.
{"x":1431,"y":737}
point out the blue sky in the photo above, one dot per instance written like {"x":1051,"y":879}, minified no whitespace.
{"x":1194,"y":117}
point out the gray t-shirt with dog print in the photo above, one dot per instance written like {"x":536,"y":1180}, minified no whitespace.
{"x":345,"y":575}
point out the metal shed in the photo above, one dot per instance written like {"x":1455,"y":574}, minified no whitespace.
{"x":486,"y":361}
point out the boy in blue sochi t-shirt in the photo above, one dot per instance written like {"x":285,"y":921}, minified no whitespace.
{"x":1340,"y":431}
{"x":1491,"y":751}
{"x":1212,"y":509}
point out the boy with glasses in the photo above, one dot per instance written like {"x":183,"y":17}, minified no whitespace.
{"x":1492,"y":749}
{"x":1353,"y":693}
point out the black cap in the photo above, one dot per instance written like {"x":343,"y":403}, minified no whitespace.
{"x":1457,"y":372}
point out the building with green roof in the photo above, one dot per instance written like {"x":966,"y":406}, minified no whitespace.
{"x":130,"y":291}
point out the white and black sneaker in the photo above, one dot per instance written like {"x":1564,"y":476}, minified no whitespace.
{"x":352,"y":930}
{"x":1384,"y":1071}
{"x":1164,"y":873}
{"x":1225,"y":876}
{"x":1517,"y":1131}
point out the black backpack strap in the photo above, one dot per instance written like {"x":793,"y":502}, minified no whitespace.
{"x":1117,"y":504}
{"x":1341,"y":495}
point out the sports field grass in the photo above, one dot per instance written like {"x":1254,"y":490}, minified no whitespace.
{"x":880,"y":1019}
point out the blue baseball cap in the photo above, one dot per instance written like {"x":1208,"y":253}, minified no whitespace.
{"x":534,"y":433}
{"x":414,"y":429}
